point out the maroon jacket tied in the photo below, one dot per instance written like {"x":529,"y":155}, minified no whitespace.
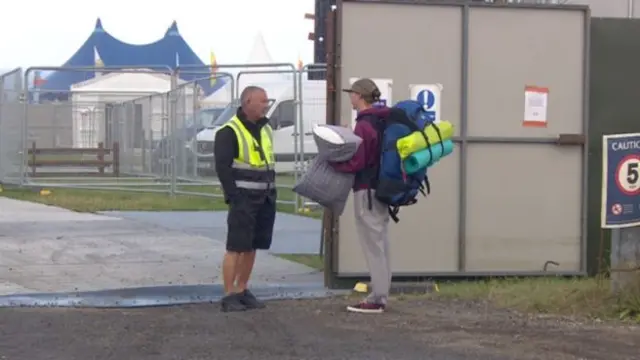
{"x":366,"y":160}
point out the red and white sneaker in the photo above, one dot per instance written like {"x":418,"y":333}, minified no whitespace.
{"x":367,"y":308}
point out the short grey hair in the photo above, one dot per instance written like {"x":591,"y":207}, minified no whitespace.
{"x":248,"y":91}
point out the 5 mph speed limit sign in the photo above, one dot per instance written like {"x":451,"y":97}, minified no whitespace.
{"x":620,"y":180}
{"x":628,"y":175}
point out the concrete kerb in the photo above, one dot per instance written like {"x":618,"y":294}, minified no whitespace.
{"x":161,"y":296}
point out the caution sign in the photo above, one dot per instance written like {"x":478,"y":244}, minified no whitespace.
{"x":620,"y":180}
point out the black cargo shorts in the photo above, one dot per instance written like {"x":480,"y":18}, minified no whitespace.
{"x":250,"y":222}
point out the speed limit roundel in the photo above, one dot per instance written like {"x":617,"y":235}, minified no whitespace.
{"x":628,"y":175}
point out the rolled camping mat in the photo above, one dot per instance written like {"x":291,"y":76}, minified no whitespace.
{"x":422,"y":159}
{"x":415,"y":141}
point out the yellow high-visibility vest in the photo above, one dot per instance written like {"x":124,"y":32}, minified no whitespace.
{"x":253,"y":156}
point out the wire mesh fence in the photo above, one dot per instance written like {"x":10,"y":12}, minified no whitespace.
{"x":148,"y":129}
{"x":11,"y":145}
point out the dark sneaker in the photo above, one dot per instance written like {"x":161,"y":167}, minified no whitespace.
{"x":367,"y":308}
{"x":250,"y":301}
{"x":232,"y":303}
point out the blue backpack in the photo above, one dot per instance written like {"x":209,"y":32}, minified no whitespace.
{"x":394,"y":187}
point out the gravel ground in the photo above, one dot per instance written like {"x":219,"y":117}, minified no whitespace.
{"x":415,"y":329}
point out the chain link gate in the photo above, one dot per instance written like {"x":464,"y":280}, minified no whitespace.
{"x":90,"y":136}
{"x":11,"y":145}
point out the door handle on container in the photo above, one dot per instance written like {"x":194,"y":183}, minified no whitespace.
{"x":570,"y":139}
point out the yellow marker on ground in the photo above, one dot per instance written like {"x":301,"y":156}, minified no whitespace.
{"x":360,"y":287}
{"x":45,"y":192}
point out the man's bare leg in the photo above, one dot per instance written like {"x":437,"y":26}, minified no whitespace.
{"x":244,"y":273}
{"x":230,"y":270}
{"x":232,"y":301}
{"x":245,"y":267}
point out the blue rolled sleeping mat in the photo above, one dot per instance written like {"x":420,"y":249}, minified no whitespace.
{"x":425,"y":158}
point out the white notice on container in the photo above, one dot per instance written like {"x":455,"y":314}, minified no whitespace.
{"x":536,"y":100}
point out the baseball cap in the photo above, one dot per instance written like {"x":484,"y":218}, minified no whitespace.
{"x":365,"y":88}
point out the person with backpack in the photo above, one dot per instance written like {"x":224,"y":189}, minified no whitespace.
{"x":383,"y":184}
{"x":371,"y":215}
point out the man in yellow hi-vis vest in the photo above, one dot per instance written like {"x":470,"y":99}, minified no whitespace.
{"x":244,"y":160}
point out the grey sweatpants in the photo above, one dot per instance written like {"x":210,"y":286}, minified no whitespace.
{"x":372,"y":226}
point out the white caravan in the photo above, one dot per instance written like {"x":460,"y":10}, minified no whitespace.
{"x":282,"y":118}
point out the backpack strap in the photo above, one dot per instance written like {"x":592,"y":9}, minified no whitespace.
{"x":393,"y":213}
{"x":426,"y":139}
{"x":439,"y":136}
{"x":414,"y":127}
{"x":425,"y":188}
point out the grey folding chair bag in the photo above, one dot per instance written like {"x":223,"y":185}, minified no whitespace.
{"x":321,"y":183}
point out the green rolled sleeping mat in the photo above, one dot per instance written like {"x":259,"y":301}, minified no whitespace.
{"x":415,"y":142}
{"x":421,"y":160}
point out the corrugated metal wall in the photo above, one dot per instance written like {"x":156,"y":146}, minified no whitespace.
{"x":509,"y":200}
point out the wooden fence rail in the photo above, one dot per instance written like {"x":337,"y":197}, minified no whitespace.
{"x":76,"y":157}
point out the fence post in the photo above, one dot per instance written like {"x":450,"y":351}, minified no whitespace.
{"x":33,"y":159}
{"x":625,"y":260}
{"x":116,"y":159}
{"x":101,"y":157}
{"x":329,"y":219}
{"x":172,"y":144}
{"x":143,"y":146}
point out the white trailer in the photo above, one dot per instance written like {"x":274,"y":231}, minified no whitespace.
{"x":291,"y":117}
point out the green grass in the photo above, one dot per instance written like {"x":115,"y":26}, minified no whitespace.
{"x":205,"y":197}
{"x":586,"y":297}
{"x":312,"y":261}
{"x":83,"y":200}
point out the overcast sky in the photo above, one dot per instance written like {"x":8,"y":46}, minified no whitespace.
{"x":47,"y":33}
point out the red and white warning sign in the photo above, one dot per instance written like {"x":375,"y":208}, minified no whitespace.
{"x":620,"y":181}
{"x":616,"y":209}
{"x":628,"y":175}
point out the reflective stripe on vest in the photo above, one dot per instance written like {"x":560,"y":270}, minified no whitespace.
{"x":250,"y":158}
{"x":253,"y":185}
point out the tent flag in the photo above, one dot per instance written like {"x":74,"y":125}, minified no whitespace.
{"x":214,"y":65}
{"x":97,"y":61}
{"x":38,"y":81}
{"x":300,"y":63}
